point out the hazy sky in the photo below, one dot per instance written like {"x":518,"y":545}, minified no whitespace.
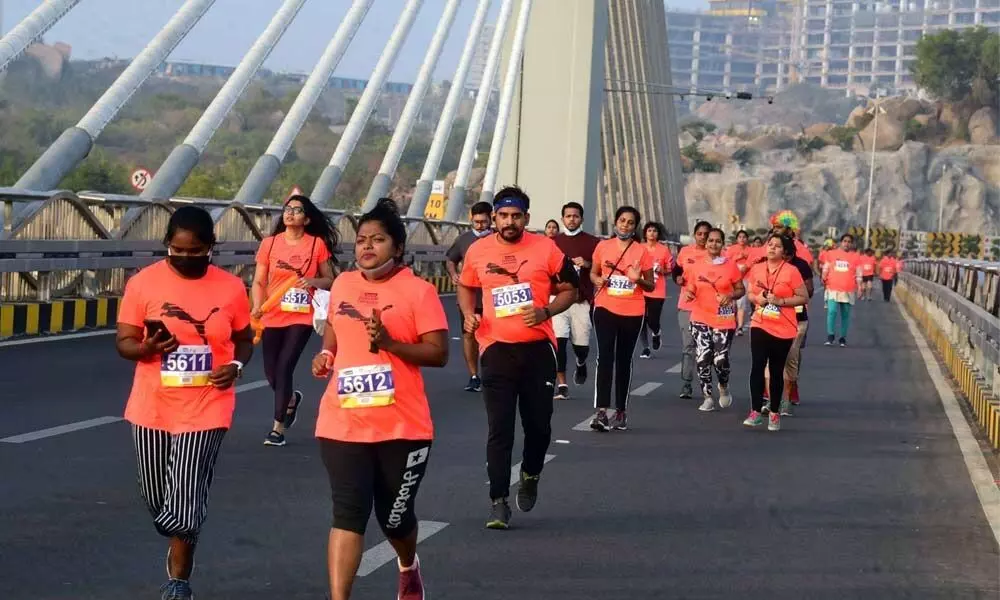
{"x":100,"y":28}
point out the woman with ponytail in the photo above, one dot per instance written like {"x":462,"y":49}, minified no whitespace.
{"x":302,"y":246}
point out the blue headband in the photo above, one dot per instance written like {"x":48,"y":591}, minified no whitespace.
{"x":510,"y":202}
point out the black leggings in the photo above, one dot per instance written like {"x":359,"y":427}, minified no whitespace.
{"x":282,"y":348}
{"x":616,"y":338}
{"x":562,"y":354}
{"x":654,"y":308}
{"x":767,"y":351}
{"x":887,"y":289}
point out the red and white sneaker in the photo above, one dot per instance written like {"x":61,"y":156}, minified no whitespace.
{"x":411,"y":585}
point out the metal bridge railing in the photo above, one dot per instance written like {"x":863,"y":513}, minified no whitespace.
{"x":955,"y":302}
{"x":61,"y":244}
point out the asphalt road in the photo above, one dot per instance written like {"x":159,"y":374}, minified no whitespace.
{"x":863,"y":494}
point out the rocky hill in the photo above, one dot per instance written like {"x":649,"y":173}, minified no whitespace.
{"x":926,"y":154}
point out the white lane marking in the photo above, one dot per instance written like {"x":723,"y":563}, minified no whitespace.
{"x":376,"y":556}
{"x":676,"y":369}
{"x":61,"y":429}
{"x":456,"y":339}
{"x":646,"y":388}
{"x":55,"y":338}
{"x":583,"y":425}
{"x":562,"y":441}
{"x":41,"y":434}
{"x":979,"y":471}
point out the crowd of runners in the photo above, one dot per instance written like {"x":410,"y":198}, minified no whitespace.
{"x":525,"y":300}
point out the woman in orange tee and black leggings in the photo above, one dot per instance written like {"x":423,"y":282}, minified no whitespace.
{"x":302,"y":246}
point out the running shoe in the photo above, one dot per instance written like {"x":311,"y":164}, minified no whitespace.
{"x":562,"y":392}
{"x":843,"y":342}
{"x":527,"y":492}
{"x":600,"y":421}
{"x":656,"y":341}
{"x":685,"y":392}
{"x":645,"y":353}
{"x":411,"y":584}
{"x":176,"y":589}
{"x":829,"y":340}
{"x":580,"y":375}
{"x":786,"y":408}
{"x":725,"y":398}
{"x":620,"y":422}
{"x":774,"y":423}
{"x":739,"y":332}
{"x":499,"y":515}
{"x":754,"y":419}
{"x":475,"y":384}
{"x":274,"y":439}
{"x":708,"y":405}
{"x":293,"y":411}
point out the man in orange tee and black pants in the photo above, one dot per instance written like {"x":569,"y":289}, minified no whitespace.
{"x":517,"y":272}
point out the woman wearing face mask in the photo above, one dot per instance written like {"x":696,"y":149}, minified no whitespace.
{"x":186,"y":325}
{"x":374,"y":425}
{"x":301,"y":246}
{"x":663,"y":262}
{"x":776,"y":288}
{"x":714,"y":284}
{"x":622,"y":272}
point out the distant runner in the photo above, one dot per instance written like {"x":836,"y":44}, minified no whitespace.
{"x":888,"y":272}
{"x":653,"y":234}
{"x":739,"y":253}
{"x":840,"y":280}
{"x":686,"y":258}
{"x":868,"y":266}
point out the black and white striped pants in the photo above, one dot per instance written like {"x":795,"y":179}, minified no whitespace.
{"x":175,"y":473}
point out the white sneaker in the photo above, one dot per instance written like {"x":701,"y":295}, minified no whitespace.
{"x":725,"y":398}
{"x":708,"y":405}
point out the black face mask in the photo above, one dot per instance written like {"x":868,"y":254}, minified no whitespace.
{"x":191,"y":267}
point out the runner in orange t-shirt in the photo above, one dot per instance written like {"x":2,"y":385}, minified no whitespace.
{"x":714,"y":286}
{"x":686,"y":258}
{"x":622,"y":274}
{"x":197,"y":338}
{"x":868,"y":264}
{"x":517,"y":272}
{"x":663,"y":262}
{"x":374,"y":424}
{"x":301,"y":246}
{"x":740,"y":253}
{"x":840,"y":278}
{"x":775,"y":288}
{"x":888,"y":270}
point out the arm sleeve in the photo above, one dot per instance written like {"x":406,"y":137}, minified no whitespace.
{"x":264,"y":251}
{"x":241,"y":307}
{"x":428,"y":314}
{"x":322,"y":252}
{"x":469,"y":277}
{"x":133,"y":308}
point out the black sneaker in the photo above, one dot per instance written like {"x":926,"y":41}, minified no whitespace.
{"x":600,"y":422}
{"x":843,"y":342}
{"x":685,"y":393}
{"x":293,"y":411}
{"x":829,"y":340}
{"x":527,"y":492}
{"x":499,"y":515}
{"x":656,"y":341}
{"x":620,"y":422}
{"x":274,"y":439}
{"x":645,"y":353}
{"x":562,"y":392}
{"x":475,"y":384}
{"x":580,"y":375}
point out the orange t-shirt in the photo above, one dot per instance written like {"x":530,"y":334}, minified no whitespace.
{"x":887,"y":268}
{"x":687,"y":258}
{"x":841,"y":271}
{"x":621,"y":295}
{"x":779,"y":321}
{"x":867,"y":266}
{"x":708,"y":278}
{"x":282,"y":260}
{"x":802,"y":251}
{"x":740,"y":255}
{"x":823,"y":258}
{"x":514,"y":278}
{"x":171,"y":392}
{"x":663,"y":263}
{"x":378,"y":397}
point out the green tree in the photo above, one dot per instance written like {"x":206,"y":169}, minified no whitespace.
{"x":956,"y":65}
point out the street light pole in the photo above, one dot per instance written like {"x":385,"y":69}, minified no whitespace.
{"x":940,"y":226}
{"x":871,"y":175}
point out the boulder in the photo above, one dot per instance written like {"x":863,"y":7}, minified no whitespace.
{"x":857,"y":117}
{"x":891,"y":135}
{"x":983,"y":126}
{"x":686,"y":139}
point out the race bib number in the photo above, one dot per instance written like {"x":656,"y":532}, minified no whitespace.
{"x":841,"y":266}
{"x":369,"y":386}
{"x":296,"y":300}
{"x":770,"y":311}
{"x":799,"y":309}
{"x":511,"y":300}
{"x":619,"y":285}
{"x":187,"y":366}
{"x":727,"y":311}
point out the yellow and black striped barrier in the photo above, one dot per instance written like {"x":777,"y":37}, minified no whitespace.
{"x":443,"y":283}
{"x":984,"y":406}
{"x":58,"y":316}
